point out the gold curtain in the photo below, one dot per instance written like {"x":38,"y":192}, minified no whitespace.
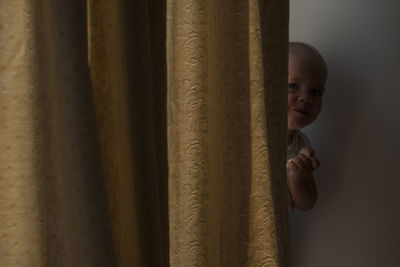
{"x":143,"y":133}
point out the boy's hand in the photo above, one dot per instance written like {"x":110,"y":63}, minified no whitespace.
{"x":301,"y":180}
{"x":301,"y":169}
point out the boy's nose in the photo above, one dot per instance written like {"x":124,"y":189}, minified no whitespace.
{"x":305,"y":98}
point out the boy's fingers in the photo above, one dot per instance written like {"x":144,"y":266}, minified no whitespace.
{"x":291,"y":165}
{"x":305,"y":160}
{"x":300,"y":163}
{"x":315,"y":163}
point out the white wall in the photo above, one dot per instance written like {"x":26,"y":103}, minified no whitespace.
{"x":356,"y":221}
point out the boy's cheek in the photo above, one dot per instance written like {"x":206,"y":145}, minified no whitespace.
{"x":290,"y":98}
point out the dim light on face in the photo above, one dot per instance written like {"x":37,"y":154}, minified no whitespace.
{"x":306,"y":88}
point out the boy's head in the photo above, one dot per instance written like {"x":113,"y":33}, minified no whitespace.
{"x":307,"y":76}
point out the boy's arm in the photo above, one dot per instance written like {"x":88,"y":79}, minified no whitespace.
{"x":304,"y":193}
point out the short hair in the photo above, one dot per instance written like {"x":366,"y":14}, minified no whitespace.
{"x":308,"y":51}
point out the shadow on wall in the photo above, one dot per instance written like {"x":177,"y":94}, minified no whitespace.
{"x":338,"y":123}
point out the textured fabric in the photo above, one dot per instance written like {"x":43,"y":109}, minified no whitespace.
{"x":298,"y":141}
{"x":52,"y":200}
{"x":227,"y":74}
{"x":143,"y":133}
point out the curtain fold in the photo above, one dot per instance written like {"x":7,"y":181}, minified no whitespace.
{"x":143,"y":133}
{"x":127,"y":64}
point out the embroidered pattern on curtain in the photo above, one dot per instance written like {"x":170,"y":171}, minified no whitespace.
{"x":143,"y":133}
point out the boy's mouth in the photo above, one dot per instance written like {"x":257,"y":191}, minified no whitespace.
{"x":301,"y":111}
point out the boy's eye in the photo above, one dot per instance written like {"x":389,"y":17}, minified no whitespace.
{"x":292,"y":85}
{"x":316,"y":92}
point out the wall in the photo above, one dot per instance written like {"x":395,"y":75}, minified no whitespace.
{"x":356,"y":220}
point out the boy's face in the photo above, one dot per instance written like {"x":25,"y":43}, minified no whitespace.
{"x":306,"y":88}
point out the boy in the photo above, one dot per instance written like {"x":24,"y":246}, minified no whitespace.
{"x":307,"y":76}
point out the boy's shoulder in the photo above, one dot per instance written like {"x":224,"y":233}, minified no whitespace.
{"x":303,"y":138}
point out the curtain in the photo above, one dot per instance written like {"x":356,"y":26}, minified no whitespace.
{"x":143,"y":133}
